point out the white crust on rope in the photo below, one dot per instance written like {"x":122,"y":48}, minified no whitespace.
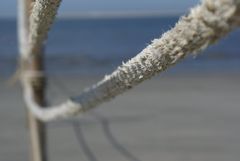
{"x":204,"y":25}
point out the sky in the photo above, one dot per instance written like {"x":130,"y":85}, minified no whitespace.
{"x":79,"y":7}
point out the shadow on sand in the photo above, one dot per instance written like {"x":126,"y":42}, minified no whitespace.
{"x":106,"y":128}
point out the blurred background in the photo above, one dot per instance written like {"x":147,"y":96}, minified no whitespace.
{"x":190,"y":112}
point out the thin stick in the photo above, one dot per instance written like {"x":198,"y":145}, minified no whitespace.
{"x":36,"y":128}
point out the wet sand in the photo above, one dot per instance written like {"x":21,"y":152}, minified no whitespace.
{"x":169,"y":118}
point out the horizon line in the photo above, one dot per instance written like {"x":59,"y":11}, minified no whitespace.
{"x":114,"y":14}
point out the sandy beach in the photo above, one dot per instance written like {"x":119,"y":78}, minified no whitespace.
{"x":169,"y":118}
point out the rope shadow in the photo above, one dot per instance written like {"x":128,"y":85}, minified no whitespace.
{"x":82,"y":141}
{"x":112,"y":139}
{"x":106,"y":128}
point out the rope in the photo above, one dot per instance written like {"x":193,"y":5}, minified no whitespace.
{"x":41,"y":18}
{"x":205,"y":24}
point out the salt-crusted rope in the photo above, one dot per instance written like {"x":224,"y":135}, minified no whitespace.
{"x":41,"y":18}
{"x":205,"y":24}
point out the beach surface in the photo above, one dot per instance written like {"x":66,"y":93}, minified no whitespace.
{"x":185,"y":117}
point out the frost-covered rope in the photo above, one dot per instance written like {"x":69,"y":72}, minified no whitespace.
{"x":205,"y":24}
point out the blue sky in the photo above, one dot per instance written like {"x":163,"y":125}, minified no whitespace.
{"x":77,"y":7}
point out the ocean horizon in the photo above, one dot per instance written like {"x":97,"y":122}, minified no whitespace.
{"x":98,"y":45}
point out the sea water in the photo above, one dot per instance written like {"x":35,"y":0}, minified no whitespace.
{"x":99,"y":45}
